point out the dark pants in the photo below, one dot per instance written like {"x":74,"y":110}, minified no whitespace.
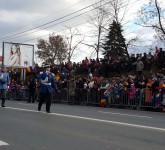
{"x":31,"y":96}
{"x":139,"y":74}
{"x":71,"y":99}
{"x":45,"y":97}
{"x":3,"y":96}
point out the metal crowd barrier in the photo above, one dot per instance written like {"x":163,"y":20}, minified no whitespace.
{"x":18,"y":94}
{"x":60,"y":96}
{"x":142,"y":98}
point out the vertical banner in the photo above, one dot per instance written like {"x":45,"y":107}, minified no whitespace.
{"x":18,"y":54}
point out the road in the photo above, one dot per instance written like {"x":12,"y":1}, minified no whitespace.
{"x":73,"y":127}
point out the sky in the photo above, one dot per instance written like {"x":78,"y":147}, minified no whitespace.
{"x":19,"y":17}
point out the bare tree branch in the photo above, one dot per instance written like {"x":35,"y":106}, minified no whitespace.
{"x":73,"y":44}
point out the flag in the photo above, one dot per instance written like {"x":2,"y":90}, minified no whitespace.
{"x":29,"y":69}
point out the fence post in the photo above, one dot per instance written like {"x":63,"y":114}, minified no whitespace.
{"x":140,"y":98}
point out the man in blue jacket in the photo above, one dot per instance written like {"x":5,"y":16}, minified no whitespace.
{"x":4,"y":81}
{"x":47,"y":83}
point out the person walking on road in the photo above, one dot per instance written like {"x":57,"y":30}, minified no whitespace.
{"x":47,"y":83}
{"x":4,"y":81}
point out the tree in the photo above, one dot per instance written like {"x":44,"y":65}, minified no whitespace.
{"x":98,"y":20}
{"x":114,"y":46}
{"x":52,"y":51}
{"x":152,"y":15}
{"x":106,"y":12}
{"x":128,"y":44}
{"x":118,"y":10}
{"x":71,"y":42}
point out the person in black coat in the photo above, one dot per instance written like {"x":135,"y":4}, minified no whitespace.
{"x":32,"y":89}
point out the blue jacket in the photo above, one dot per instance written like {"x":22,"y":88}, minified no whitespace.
{"x":4,"y":80}
{"x":47,"y":81}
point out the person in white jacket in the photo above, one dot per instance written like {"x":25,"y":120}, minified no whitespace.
{"x":139,"y":67}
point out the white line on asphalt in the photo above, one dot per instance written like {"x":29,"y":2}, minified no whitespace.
{"x":94,"y":119}
{"x":108,"y":112}
{"x":26,"y":104}
{"x":3,"y":143}
{"x":21,"y":109}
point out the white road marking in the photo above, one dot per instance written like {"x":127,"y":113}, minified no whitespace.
{"x":94,"y":119}
{"x":108,"y":112}
{"x":21,"y":109}
{"x":3,"y":143}
{"x":26,"y":104}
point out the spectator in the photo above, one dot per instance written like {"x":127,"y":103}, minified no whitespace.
{"x":32,"y":89}
{"x":139,"y":67}
{"x":4,"y":81}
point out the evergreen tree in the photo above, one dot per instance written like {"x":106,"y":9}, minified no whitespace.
{"x":114,"y":46}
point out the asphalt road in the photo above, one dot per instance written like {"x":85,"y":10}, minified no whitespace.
{"x":72,"y":127}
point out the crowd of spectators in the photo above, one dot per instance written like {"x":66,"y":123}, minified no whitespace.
{"x":137,"y":72}
{"x":104,"y":67}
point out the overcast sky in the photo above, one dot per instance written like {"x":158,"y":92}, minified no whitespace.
{"x":18,"y":16}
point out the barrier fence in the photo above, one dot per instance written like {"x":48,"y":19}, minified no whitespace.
{"x":139,"y":99}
